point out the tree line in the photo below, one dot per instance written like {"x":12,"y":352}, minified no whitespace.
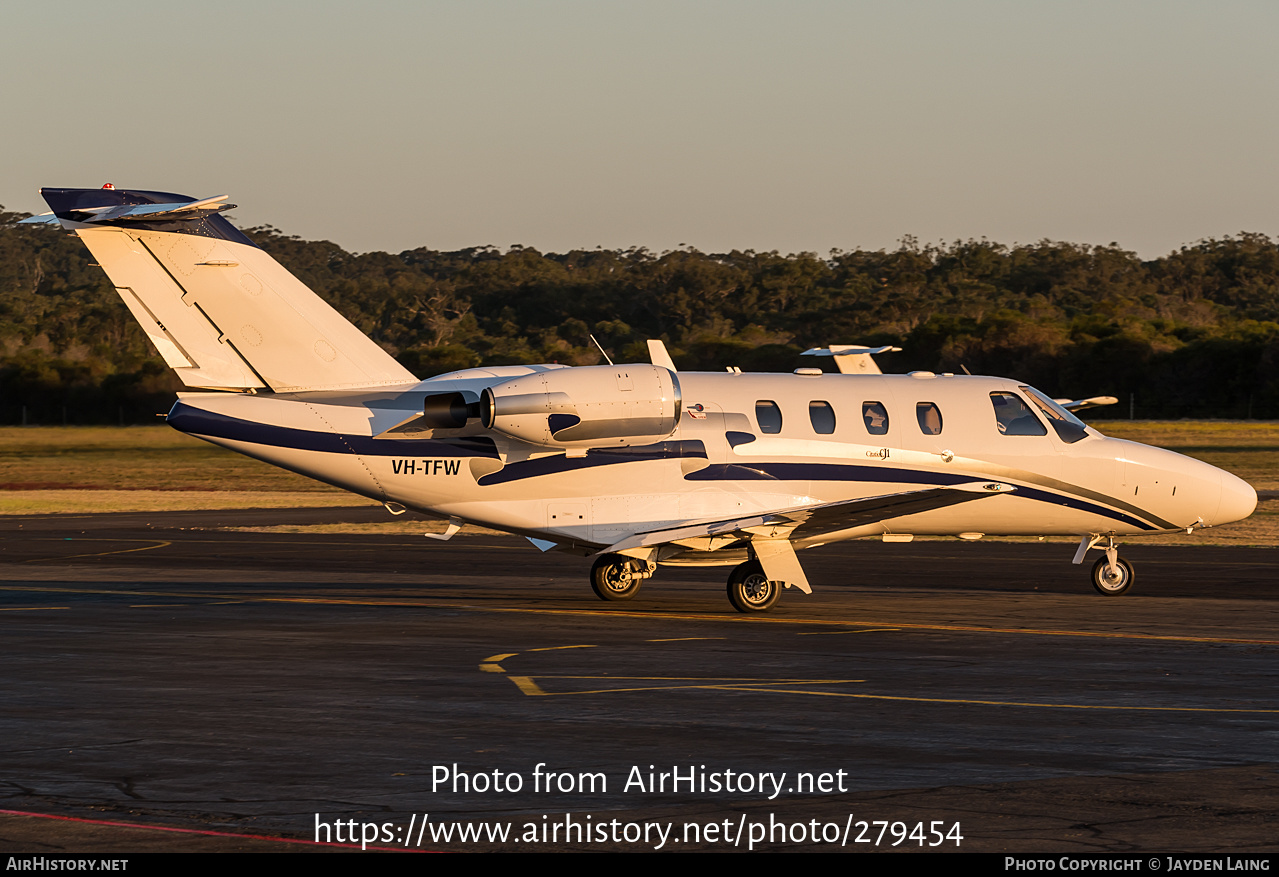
{"x":1192,"y":334}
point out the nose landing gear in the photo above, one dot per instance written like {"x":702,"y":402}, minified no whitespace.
{"x":1111,"y":575}
{"x":1112,"y":579}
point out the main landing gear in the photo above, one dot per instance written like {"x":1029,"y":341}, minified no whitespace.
{"x":1111,"y":575}
{"x":618,"y":577}
{"x":749,"y":590}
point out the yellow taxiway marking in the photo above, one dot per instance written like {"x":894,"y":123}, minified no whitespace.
{"x":684,"y":639}
{"x":154,"y":545}
{"x":30,"y":608}
{"x":529,"y":686}
{"x":842,"y":632}
{"x":557,"y":648}
{"x":661,"y":616}
{"x":1055,"y":706}
{"x":717,"y":680}
{"x":491,"y":664}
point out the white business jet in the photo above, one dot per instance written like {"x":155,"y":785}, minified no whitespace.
{"x":638,"y":464}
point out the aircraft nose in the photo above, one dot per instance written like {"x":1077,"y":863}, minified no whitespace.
{"x":1238,"y":500}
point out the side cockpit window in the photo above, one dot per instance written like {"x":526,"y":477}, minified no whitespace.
{"x":822,"y":416}
{"x":769,"y":417}
{"x":876,"y":417}
{"x":929,"y":417}
{"x":1014,"y":417}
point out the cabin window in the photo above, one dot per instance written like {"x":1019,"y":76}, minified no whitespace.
{"x":1014,"y":417}
{"x":929,"y":417}
{"x":769,"y":416}
{"x":876,"y":417}
{"x":822,"y":416}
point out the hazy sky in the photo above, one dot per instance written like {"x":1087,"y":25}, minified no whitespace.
{"x":558,"y":125}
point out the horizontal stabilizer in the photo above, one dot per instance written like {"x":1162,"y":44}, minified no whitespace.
{"x":151,"y":212}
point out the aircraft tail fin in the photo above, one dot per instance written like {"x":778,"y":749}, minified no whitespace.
{"x":222,"y":313}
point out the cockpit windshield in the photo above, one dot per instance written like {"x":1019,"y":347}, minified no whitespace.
{"x":1069,"y":427}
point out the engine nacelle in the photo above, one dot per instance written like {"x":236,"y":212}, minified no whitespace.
{"x":592,"y":406}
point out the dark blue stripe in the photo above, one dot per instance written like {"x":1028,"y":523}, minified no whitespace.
{"x":544,"y":466}
{"x":730,"y":472}
{"x":594,"y":457}
{"x":1082,"y":505}
{"x":196,"y":421}
{"x":828,"y":472}
{"x":558,"y":422}
{"x":882,"y":475}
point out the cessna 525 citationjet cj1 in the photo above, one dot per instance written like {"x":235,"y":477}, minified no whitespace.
{"x":638,"y":464}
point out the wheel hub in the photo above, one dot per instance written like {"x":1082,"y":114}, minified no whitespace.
{"x":619,"y":577}
{"x":756,"y":589}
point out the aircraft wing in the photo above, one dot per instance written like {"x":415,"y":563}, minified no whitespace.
{"x":852,"y":359}
{"x":1073,"y":405}
{"x":808,"y":521}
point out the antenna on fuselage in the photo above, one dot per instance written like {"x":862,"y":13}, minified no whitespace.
{"x":601,"y":347}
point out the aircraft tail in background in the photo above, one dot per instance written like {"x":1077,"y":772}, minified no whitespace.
{"x":222,"y":313}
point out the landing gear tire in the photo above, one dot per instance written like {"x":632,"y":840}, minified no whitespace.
{"x":616,"y":577}
{"x":749,"y":590}
{"x":1112,"y":585}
